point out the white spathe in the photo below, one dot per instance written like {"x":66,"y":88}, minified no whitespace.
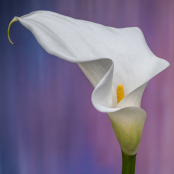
{"x":108,"y":57}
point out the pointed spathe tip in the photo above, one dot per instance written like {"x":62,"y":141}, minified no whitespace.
{"x":14,"y":20}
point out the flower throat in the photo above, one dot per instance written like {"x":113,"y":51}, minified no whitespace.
{"x":120,"y":93}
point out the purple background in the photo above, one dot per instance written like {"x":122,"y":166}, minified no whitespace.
{"x":47,"y":122}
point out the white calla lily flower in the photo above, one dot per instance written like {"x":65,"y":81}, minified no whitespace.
{"x":108,"y":57}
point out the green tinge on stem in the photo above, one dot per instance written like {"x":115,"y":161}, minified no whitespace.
{"x":14,"y":20}
{"x":128,"y":163}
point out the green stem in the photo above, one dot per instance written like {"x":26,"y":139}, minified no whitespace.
{"x":128,"y":164}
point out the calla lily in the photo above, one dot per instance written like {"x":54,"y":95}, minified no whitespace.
{"x":108,"y":57}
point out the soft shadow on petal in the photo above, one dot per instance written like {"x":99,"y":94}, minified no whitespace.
{"x":102,"y":94}
{"x":134,"y":97}
{"x":95,"y":70}
{"x":128,"y":125}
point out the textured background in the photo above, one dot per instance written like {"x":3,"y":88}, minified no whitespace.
{"x":47,"y":122}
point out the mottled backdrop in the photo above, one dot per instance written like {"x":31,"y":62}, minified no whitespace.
{"x":47,"y":122}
